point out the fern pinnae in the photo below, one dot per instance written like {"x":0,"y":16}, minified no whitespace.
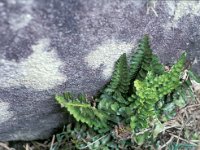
{"x":141,"y":59}
{"x":150,"y":90}
{"x":83,"y":111}
{"x":135,"y":62}
{"x":120,"y":79}
{"x":156,"y":67}
{"x":75,"y":104}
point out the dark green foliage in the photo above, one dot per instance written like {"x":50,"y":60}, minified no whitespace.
{"x":114,"y":94}
{"x":120,"y":79}
{"x":141,"y":60}
{"x":156,"y":67}
{"x":134,"y":100}
{"x":79,"y":136}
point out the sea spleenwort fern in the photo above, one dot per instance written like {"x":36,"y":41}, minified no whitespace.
{"x":120,"y":78}
{"x":150,"y":90}
{"x":114,"y":95}
{"x":117,"y":89}
{"x":137,"y":60}
{"x":156,"y":67}
{"x":130,"y":99}
{"x":84,"y":112}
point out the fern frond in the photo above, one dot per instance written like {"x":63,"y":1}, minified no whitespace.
{"x":154,"y":88}
{"x":141,"y":60}
{"x":84,"y":112}
{"x":156,"y":67}
{"x":118,"y":86}
{"x":120,"y":79}
{"x":111,"y":105}
{"x":194,"y":76}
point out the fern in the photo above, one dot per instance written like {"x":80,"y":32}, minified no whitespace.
{"x":114,"y":94}
{"x":120,"y":79}
{"x":152,"y":89}
{"x":134,"y":99}
{"x":84,"y":112}
{"x":141,"y":60}
{"x":156,"y":67}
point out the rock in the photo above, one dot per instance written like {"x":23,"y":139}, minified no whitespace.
{"x":49,"y":47}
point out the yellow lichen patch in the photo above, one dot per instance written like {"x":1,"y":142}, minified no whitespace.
{"x":106,"y":54}
{"x":5,"y":114}
{"x":39,"y":71}
{"x":187,"y":7}
{"x":180,"y":9}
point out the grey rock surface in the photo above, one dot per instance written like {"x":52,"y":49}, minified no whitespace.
{"x":51,"y":46}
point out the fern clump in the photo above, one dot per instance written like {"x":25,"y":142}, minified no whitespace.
{"x":153,"y":88}
{"x":132,"y":103}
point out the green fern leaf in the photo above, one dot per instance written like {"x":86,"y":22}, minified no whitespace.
{"x":141,"y":60}
{"x":84,"y":112}
{"x":150,"y":90}
{"x":156,"y":67}
{"x":120,"y":79}
{"x":194,"y":76}
{"x":118,"y":86}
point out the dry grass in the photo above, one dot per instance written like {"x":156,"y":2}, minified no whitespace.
{"x":187,"y":119}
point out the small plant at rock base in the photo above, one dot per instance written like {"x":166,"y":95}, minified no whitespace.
{"x":131,"y":109}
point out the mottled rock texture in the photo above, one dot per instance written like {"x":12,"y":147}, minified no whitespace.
{"x":50,"y":46}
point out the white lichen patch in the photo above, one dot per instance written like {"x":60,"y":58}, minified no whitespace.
{"x":26,"y":2}
{"x":180,"y":9}
{"x":17,"y":21}
{"x":184,"y":8}
{"x":39,"y":71}
{"x":106,"y":54}
{"x":22,"y":2}
{"x":13,"y":2}
{"x":21,"y":134}
{"x":171,"y":7}
{"x":5,"y":114}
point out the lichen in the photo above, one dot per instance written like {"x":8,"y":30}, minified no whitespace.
{"x":4,"y":111}
{"x":178,"y":10}
{"x":187,"y":7}
{"x":19,"y":21}
{"x":106,"y":54}
{"x":39,"y":71}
